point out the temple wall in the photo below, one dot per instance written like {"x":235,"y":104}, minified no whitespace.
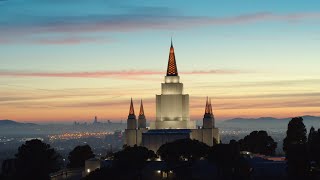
{"x":131,"y":137}
{"x":154,"y":141}
{"x":206,"y":135}
{"x":197,"y":134}
{"x":172,"y":108}
{"x":131,"y":124}
{"x":172,"y":125}
{"x":216,"y":134}
{"x":171,"y":88}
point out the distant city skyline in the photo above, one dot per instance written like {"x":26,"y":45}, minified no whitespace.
{"x":71,"y":61}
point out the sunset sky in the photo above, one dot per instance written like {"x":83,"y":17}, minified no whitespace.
{"x":67,"y":60}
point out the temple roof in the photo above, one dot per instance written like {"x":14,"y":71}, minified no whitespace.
{"x":172,"y":66}
{"x":131,"y":111}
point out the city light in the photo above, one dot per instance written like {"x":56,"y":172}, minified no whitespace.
{"x":79,"y":135}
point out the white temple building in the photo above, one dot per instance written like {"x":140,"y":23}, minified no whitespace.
{"x":172,"y":116}
{"x":172,"y":106}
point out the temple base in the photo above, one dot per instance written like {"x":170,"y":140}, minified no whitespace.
{"x":173,"y":125}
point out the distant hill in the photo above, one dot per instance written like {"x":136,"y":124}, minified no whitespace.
{"x":7,"y":122}
{"x":268,"y":123}
{"x":306,"y":118}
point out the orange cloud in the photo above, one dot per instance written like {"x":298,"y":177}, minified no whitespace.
{"x":129,"y":74}
{"x":116,"y":108}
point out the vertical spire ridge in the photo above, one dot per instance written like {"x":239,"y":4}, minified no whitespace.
{"x":141,"y":113}
{"x":172,"y":66}
{"x":208,"y":118}
{"x":210,"y":108}
{"x":142,"y":118}
{"x":207,"y":111}
{"x":131,"y":111}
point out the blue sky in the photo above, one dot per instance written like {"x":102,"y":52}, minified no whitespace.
{"x":113,"y":27}
{"x":58,"y":45}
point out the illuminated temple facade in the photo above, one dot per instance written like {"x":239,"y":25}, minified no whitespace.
{"x":172,"y":106}
{"x":172,"y":116}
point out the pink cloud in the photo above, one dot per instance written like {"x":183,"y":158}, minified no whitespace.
{"x":134,"y":75}
{"x":134,"y":22}
{"x":71,"y":40}
{"x":217,"y":71}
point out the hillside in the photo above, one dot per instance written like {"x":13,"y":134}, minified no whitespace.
{"x":7,"y":122}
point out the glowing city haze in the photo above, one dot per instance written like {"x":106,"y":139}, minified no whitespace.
{"x":72,"y":60}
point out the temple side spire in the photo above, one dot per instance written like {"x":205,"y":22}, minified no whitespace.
{"x":141,"y":113}
{"x":142,"y":122}
{"x":131,"y":121}
{"x":131,"y":111}
{"x":172,"y":66}
{"x":208,"y":117}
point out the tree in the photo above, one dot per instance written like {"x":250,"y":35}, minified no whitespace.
{"x":312,"y":135}
{"x":297,"y":161}
{"x":314,"y":146}
{"x":258,"y":142}
{"x":182,"y":150}
{"x":127,"y":164}
{"x":79,"y":155}
{"x":226,"y":157}
{"x":106,"y":173}
{"x":296,"y":133}
{"x":135,"y":156}
{"x":36,"y":160}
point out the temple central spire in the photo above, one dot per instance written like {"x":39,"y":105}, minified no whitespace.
{"x":172,"y":66}
{"x":207,"y":110}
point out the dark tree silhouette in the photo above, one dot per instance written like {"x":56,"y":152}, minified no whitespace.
{"x":106,"y":173}
{"x":127,"y":164}
{"x":79,"y":155}
{"x":36,"y":160}
{"x":181,"y":154}
{"x":296,"y":133}
{"x":258,"y":142}
{"x":312,"y":135}
{"x":8,"y":168}
{"x":183,"y":149}
{"x":314,"y":146}
{"x":297,"y":161}
{"x":134,"y":156}
{"x":226,"y":157}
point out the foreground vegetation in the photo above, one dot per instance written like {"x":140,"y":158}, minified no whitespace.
{"x":36,"y":159}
